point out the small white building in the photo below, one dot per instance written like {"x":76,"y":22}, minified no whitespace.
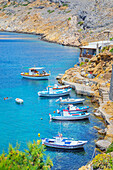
{"x":93,"y":48}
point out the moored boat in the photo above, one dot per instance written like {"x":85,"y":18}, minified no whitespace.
{"x":56,"y":87}
{"x":63,"y":142}
{"x":70,"y":101}
{"x":54,"y":93}
{"x":73,"y":109}
{"x":66,"y":115}
{"x":19,"y":101}
{"x":36,"y":73}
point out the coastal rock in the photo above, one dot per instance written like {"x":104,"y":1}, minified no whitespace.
{"x":98,"y":114}
{"x":102,"y":131}
{"x":102,"y":144}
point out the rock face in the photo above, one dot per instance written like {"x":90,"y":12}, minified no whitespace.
{"x":111,"y":86}
{"x":65,"y":22}
{"x":103,"y":144}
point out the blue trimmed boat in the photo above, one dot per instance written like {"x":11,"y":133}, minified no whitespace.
{"x":70,"y":101}
{"x":66,"y":115}
{"x":54,"y":93}
{"x":74,"y":109}
{"x":63,"y":142}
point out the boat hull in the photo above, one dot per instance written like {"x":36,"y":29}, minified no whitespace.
{"x":61,"y":87}
{"x":69,"y":118}
{"x":71,"y":102}
{"x":36,"y":77}
{"x":19,"y":101}
{"x":79,"y":109}
{"x":64,"y":146}
{"x":53,"y":94}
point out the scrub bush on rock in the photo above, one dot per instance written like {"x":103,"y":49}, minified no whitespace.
{"x":31,"y":159}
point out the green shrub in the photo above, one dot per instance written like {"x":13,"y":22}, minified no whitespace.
{"x":111,"y":39}
{"x":110,"y":148}
{"x":89,"y":62}
{"x":79,"y":30}
{"x":4,"y":6}
{"x":33,"y":158}
{"x":82,"y":63}
{"x":80,"y":23}
{"x":50,"y":11}
{"x":86,"y":60}
{"x":111,"y":50}
{"x":105,"y":48}
{"x":24,"y":4}
{"x":67,"y":11}
{"x":65,"y":4}
{"x":103,"y":161}
{"x":69,"y":18}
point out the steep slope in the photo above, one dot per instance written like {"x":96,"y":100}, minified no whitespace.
{"x":68,"y":22}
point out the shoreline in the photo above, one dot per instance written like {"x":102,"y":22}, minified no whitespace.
{"x":107,"y":133}
{"x":41,"y":37}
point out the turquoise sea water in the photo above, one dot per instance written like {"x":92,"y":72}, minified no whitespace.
{"x":22,"y":123}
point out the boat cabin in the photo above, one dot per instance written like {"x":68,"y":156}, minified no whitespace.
{"x":71,"y":107}
{"x":36,"y":70}
{"x":65,"y":113}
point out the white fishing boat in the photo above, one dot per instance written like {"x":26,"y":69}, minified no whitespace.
{"x":70,"y":101}
{"x":19,"y":101}
{"x":66,"y":115}
{"x":61,"y":142}
{"x":73,"y":109}
{"x":54,"y":93}
{"x":36,"y":73}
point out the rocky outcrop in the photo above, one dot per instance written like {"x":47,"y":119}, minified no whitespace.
{"x":101,"y":67}
{"x":103,"y":144}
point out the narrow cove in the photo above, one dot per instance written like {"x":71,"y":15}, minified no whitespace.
{"x":22,"y":123}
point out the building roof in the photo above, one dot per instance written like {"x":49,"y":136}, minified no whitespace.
{"x":93,"y":45}
{"x":36,"y":68}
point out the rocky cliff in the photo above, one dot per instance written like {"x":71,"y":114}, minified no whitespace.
{"x":68,"y":22}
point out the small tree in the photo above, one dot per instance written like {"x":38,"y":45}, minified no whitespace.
{"x":31,"y":159}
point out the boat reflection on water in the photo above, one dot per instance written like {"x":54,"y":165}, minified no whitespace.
{"x":86,"y":121}
{"x":75,"y":151}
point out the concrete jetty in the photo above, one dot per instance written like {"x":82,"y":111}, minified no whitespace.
{"x":80,"y":88}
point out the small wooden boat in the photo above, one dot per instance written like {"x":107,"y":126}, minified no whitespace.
{"x":63,"y":142}
{"x":36,"y":73}
{"x":54,"y":93}
{"x":66,"y":115}
{"x":19,"y":101}
{"x":73,"y":109}
{"x":70,"y":101}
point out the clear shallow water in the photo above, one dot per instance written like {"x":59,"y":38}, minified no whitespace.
{"x":22,"y":123}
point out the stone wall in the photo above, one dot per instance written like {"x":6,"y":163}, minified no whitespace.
{"x":111,"y":86}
